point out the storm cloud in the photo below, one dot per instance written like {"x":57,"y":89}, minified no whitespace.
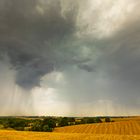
{"x":87,"y":51}
{"x":31,"y":38}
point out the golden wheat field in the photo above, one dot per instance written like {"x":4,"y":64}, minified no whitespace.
{"x":129,"y":129}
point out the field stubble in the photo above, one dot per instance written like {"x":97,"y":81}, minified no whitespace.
{"x":120,"y":130}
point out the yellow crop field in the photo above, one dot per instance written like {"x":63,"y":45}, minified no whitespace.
{"x":17,"y":135}
{"x":120,"y":130}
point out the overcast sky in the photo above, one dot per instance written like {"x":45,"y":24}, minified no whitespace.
{"x":69,"y":57}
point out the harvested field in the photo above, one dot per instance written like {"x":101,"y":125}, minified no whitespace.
{"x":17,"y":135}
{"x":131,"y":127}
{"x":120,"y":130}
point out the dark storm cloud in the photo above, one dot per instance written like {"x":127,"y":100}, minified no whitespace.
{"x":31,"y":38}
{"x":113,"y":73}
{"x":39,"y":39}
{"x":95,"y":46}
{"x":87,"y":67}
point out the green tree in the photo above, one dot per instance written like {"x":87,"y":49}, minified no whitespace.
{"x":98,"y":120}
{"x":83,"y":121}
{"x":71,"y":119}
{"x":90,"y":120}
{"x":46,"y":128}
{"x":50,"y":122}
{"x":37,"y":126}
{"x":15,"y":123}
{"x":63,"y":121}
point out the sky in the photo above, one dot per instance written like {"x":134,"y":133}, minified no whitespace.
{"x":69,"y":57}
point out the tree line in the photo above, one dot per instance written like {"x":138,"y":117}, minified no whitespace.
{"x":46,"y":124}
